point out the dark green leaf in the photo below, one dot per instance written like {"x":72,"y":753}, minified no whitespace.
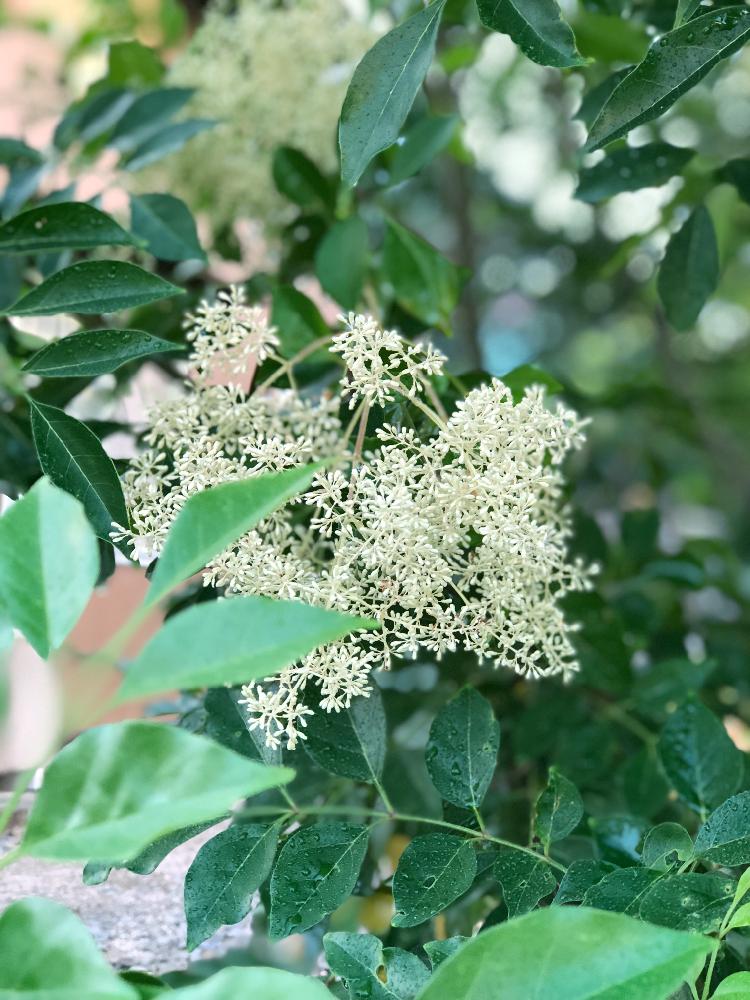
{"x":689,"y":272}
{"x":383,"y":89}
{"x":372,"y":971}
{"x":673,"y":64}
{"x":668,"y":682}
{"x":424,"y":282}
{"x":621,"y":891}
{"x":618,"y":838}
{"x":558,"y":809}
{"x":578,"y":879}
{"x":316,"y":871}
{"x":685,"y":10}
{"x":434,"y":870}
{"x":226,"y":872}
{"x":689,"y":902}
{"x":15,"y":153}
{"x":537,"y":28}
{"x":94,"y":352}
{"x":256,"y":983}
{"x":74,"y":225}
{"x":148,"y":860}
{"x":93,"y":287}
{"x":298,"y":178}
{"x":227,"y":722}
{"x":439,"y":951}
{"x":597,"y":97}
{"x":644,"y":784}
{"x":630,"y":169}
{"x":117,"y":788}
{"x":698,"y":757}
{"x":341,"y":261}
{"x":166,"y":226}
{"x":166,"y":140}
{"x":724,"y":839}
{"x":422,"y":143}
{"x":666,"y":845}
{"x":71,"y":455}
{"x":462,"y":749}
{"x":737,"y":172}
{"x":350,"y":742}
{"x":146,"y":115}
{"x":525,"y":880}
{"x":297,"y":319}
{"x":521,"y":378}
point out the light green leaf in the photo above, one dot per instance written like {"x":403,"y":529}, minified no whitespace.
{"x":360,"y":960}
{"x":383,"y":89}
{"x":434,"y":870}
{"x":146,"y":115}
{"x":665,"y":845}
{"x":224,"y":875}
{"x":71,"y":455}
{"x":46,"y":953}
{"x":734,"y":987}
{"x":350,"y":742}
{"x":673,"y":64}
{"x":685,"y":10}
{"x":521,"y":378}
{"x":439,"y":951}
{"x":578,"y":879}
{"x":94,"y":352}
{"x":65,"y":225}
{"x":424,"y":140}
{"x":298,"y":178}
{"x":148,"y":860}
{"x":462,"y":749}
{"x":166,"y":226}
{"x":49,"y":564}
{"x":211,"y":520}
{"x":315,"y":872}
{"x":698,"y":757}
{"x":232,"y":641}
{"x":689,"y":272}
{"x":630,"y":169}
{"x":537,"y":28}
{"x":571,"y":953}
{"x":622,"y":890}
{"x":117,"y":788}
{"x":166,"y":140}
{"x":689,"y":902}
{"x":740,"y":918}
{"x":525,"y":880}
{"x":724,"y":839}
{"x":341,"y":261}
{"x":93,"y":287}
{"x":558,"y":809}
{"x":258,"y":983}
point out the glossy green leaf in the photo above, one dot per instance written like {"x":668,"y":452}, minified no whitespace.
{"x":167,"y":140}
{"x":315,"y":872}
{"x":536,"y":26}
{"x":724,"y":839}
{"x":211,"y":520}
{"x":689,"y":272}
{"x":350,"y":742}
{"x":734,"y":987}
{"x":46,"y":953}
{"x":224,"y":875}
{"x":297,"y":319}
{"x":299,"y":179}
{"x":93,"y":287}
{"x":424,"y":282}
{"x":578,"y":879}
{"x":737,"y":172}
{"x":341,"y":261}
{"x":571,"y":953}
{"x":370,"y":970}
{"x":439,"y":951}
{"x":520,"y":379}
{"x":689,"y":902}
{"x":422,"y":143}
{"x":673,"y":64}
{"x":148,"y":860}
{"x":117,"y":788}
{"x":665,"y":846}
{"x":258,"y":983}
{"x":558,"y":809}
{"x":698,"y":757}
{"x":71,"y":455}
{"x":227,"y":722}
{"x":383,"y":89}
{"x":94,"y":352}
{"x":595,"y":99}
{"x":146,"y":115}
{"x":14,"y":152}
{"x":49,"y":564}
{"x":65,"y":225}
{"x":621,"y":891}
{"x":232,"y":641}
{"x":525,"y":880}
{"x":434,"y":870}
{"x":685,"y":10}
{"x":165,"y":225}
{"x":462,"y":749}
{"x":740,"y":917}
{"x":630,"y":169}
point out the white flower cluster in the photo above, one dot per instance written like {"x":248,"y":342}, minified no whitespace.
{"x":450,"y":537}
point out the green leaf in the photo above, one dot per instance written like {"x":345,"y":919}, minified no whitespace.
{"x":350,"y":742}
{"x":610,"y":38}
{"x":689,"y":902}
{"x":166,"y":140}
{"x":227,"y":722}
{"x":665,"y":845}
{"x":740,"y":917}
{"x":462,"y":749}
{"x":232,"y":641}
{"x":146,"y":115}
{"x":260,"y":983}
{"x":537,"y":28}
{"x":734,"y":987}
{"x":49,"y":564}
{"x":673,"y":64}
{"x":298,"y":179}
{"x":424,"y":282}
{"x":134,"y":65}
{"x":71,"y":455}
{"x":558,"y":809}
{"x":578,"y":879}
{"x":621,"y":891}
{"x":224,"y":875}
{"x":15,"y":153}
{"x":117,"y":788}
{"x":315,"y":873}
{"x":297,"y":318}
{"x":166,"y":226}
{"x":422,"y":143}
{"x":383,"y":89}
{"x":434,"y":870}
{"x":65,"y":225}
{"x":630,"y":169}
{"x":525,"y":880}
{"x":597,"y":97}
{"x":737,"y":172}
{"x":341,"y":261}
{"x":439,"y":951}
{"x":94,"y":352}
{"x":698,"y":757}
{"x":685,"y":10}
{"x":571,"y":953}
{"x":148,"y":860}
{"x":211,"y":520}
{"x":46,"y":953}
{"x":724,"y":839}
{"x":689,"y":272}
{"x":521,"y":378}
{"x":93,"y":287}
{"x":360,"y":960}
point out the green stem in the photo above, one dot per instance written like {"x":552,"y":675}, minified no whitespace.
{"x":383,"y":795}
{"x":311,"y":348}
{"x":618,"y":715}
{"x":21,"y":784}
{"x":10,"y":857}
{"x":710,"y":973}
{"x":480,"y":821}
